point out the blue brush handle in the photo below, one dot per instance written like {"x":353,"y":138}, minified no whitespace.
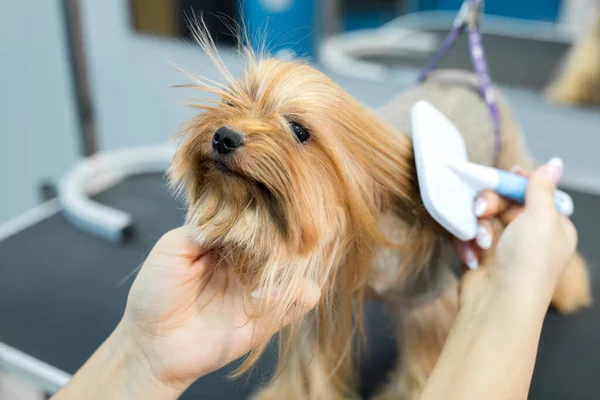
{"x":511,"y":186}
{"x":514,"y":187}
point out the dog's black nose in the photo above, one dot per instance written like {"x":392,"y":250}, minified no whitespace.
{"x":226,"y":140}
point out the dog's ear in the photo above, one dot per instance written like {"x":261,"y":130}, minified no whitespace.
{"x":381,"y":176}
{"x":381,"y":168}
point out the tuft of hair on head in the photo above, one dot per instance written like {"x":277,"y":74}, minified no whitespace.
{"x":224,"y":85}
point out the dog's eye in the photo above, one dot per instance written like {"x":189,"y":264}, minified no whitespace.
{"x":300,"y":132}
{"x":229,"y":103}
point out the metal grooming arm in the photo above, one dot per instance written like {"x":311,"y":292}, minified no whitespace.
{"x":99,"y":172}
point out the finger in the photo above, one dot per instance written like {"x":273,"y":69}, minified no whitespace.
{"x":305,"y":299}
{"x":306,"y":295}
{"x":270,"y":294}
{"x":511,"y":213}
{"x":518,"y":170}
{"x":489,"y":204}
{"x":177,"y":242}
{"x":542,"y":185}
{"x":485,"y":235}
{"x":309,"y":296}
{"x":467,"y":253}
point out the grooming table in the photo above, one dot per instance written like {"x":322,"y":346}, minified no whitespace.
{"x":62,"y":292}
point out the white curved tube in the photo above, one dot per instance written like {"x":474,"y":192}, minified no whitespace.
{"x":343,"y":53}
{"x":100,"y":172}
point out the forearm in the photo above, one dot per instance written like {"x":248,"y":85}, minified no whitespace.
{"x":117,"y":370}
{"x":490,"y":352}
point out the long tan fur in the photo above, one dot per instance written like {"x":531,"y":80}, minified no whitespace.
{"x":342,"y":209}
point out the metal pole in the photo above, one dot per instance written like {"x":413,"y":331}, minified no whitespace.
{"x":78,"y":64}
{"x":330,"y":18}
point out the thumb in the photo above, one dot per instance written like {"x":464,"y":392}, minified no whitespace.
{"x":177,"y":243}
{"x":542,"y":185}
{"x":284,"y":309}
{"x":307,"y":298}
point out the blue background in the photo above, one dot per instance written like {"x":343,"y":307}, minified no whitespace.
{"x":294,"y":28}
{"x":541,"y":10}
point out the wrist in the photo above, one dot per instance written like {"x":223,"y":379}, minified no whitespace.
{"x":134,"y":365}
{"x":525,"y":290}
{"x":118,"y":370}
{"x":520,"y":301}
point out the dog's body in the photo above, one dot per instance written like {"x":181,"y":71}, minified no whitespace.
{"x":427,"y":315}
{"x":289,"y":178}
{"x":456,"y":94}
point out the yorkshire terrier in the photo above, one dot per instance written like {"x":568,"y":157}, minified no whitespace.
{"x":578,"y":81}
{"x":289,"y":178}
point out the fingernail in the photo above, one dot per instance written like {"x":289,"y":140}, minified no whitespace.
{"x":470,"y":258}
{"x":480,"y":206}
{"x":484,"y":237}
{"x":516,"y":168}
{"x":554,"y":169}
{"x":259,"y":293}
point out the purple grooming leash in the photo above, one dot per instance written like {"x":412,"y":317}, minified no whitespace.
{"x":469,"y":18}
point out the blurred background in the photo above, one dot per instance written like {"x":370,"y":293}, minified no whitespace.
{"x":82,"y":77}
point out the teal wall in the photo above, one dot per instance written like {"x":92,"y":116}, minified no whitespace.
{"x":541,"y":10}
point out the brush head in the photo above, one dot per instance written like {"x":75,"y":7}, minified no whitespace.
{"x":447,"y":198}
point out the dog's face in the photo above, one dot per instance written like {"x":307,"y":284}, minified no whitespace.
{"x":274,"y":171}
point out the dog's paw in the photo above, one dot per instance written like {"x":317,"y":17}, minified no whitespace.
{"x":570,"y":302}
{"x":573,"y":291}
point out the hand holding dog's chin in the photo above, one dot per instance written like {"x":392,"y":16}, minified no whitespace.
{"x":184,"y":318}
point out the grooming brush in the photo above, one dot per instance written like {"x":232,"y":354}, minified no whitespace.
{"x":449,"y":183}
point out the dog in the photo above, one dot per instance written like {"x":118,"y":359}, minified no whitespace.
{"x":578,"y":80}
{"x":289,"y":178}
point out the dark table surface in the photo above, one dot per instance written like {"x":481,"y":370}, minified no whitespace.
{"x":61,"y":294}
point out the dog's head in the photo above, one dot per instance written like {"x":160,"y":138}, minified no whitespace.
{"x":284,"y":166}
{"x":287,"y":176}
{"x":262,"y":167}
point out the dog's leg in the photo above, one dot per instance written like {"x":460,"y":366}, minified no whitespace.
{"x":573,"y":291}
{"x":421,"y":336}
{"x":579,"y":80}
{"x":309,"y":375}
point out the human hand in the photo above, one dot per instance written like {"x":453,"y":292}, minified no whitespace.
{"x":534,"y":248}
{"x":185,"y":317}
